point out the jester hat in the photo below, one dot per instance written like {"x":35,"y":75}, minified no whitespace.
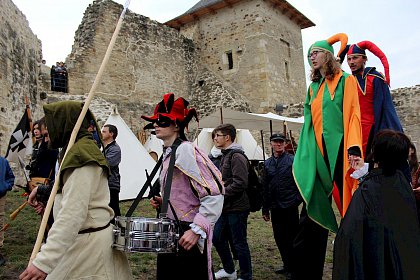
{"x":326,"y":45}
{"x":359,"y":49}
{"x":175,"y":110}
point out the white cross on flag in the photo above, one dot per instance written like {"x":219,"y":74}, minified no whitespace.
{"x":20,"y":143}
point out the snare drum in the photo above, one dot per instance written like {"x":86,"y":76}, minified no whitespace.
{"x":138,"y":234}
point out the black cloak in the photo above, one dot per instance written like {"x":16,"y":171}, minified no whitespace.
{"x":379,"y":238}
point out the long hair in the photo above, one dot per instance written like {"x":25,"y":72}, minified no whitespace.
{"x":331,"y":65}
{"x":413,"y":160}
{"x":390,"y":150}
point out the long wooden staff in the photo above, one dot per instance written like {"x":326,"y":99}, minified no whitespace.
{"x":76,"y":128}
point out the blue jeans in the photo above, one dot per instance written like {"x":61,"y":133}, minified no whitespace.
{"x":236,"y":222}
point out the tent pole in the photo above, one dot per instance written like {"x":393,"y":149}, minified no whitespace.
{"x":262,"y":144}
{"x":284,"y":129}
{"x":271,"y":133}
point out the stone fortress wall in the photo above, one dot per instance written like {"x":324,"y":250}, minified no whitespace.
{"x":149,"y":59}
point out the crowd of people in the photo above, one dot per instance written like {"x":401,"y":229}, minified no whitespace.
{"x":351,"y":150}
{"x":59,"y":77}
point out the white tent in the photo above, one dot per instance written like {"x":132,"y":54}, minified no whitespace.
{"x":154,"y":144}
{"x":252,"y":150}
{"x":250,"y":121}
{"x":134,"y":159}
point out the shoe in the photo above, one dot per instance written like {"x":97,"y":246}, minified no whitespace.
{"x":235,"y":262}
{"x":281,"y":270}
{"x":221,"y":274}
{"x":2,"y":260}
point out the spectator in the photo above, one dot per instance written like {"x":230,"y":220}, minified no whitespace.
{"x":92,"y":129}
{"x":112,"y":153}
{"x":216,"y":157}
{"x":7,"y":179}
{"x":415,"y":174}
{"x":233,"y":221}
{"x":44,"y":158}
{"x":379,"y":238}
{"x":281,"y":197}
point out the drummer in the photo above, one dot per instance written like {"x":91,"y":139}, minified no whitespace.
{"x":196,"y":193}
{"x":79,"y":243}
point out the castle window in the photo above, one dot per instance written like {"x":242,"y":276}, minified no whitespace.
{"x":287,"y":45}
{"x":229,"y":59}
{"x":286,"y":68}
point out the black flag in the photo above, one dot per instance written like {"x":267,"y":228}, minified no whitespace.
{"x":20,"y":143}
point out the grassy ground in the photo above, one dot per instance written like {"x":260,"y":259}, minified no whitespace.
{"x":21,"y":235}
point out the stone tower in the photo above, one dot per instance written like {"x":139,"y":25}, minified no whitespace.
{"x":254,"y":45}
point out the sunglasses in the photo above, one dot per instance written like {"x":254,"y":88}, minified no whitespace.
{"x":163,"y":122}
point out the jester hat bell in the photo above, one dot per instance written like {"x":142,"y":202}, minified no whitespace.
{"x":359,"y":49}
{"x":326,"y":45}
{"x":175,"y":110}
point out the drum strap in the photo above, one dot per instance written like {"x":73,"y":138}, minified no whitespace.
{"x":89,"y":230}
{"x":169,"y":175}
{"x":144,"y":188}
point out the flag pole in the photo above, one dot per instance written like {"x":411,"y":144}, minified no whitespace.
{"x":76,"y":128}
{"x":28,"y":111}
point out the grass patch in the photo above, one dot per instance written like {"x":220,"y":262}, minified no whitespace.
{"x":21,"y":235}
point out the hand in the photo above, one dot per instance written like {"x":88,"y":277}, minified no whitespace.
{"x":156,"y":201}
{"x":417,"y":193}
{"x":355,"y":162}
{"x":39,"y":207}
{"x":33,"y":273}
{"x":189,"y":239}
{"x":266,"y":217}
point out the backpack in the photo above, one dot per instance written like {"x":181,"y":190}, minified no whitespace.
{"x":254,"y":189}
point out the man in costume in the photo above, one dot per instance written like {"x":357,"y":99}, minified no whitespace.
{"x":376,"y":107}
{"x":79,"y":244}
{"x":331,"y":132}
{"x":379,"y":238}
{"x":194,"y":193}
{"x":232,"y":224}
{"x":281,"y":200}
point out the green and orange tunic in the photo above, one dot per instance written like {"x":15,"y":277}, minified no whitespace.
{"x":332,"y":126}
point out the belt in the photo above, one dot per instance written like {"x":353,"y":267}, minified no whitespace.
{"x":89,"y":230}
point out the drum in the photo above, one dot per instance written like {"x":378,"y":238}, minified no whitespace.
{"x":138,"y":234}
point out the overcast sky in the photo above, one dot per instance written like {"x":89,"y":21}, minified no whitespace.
{"x":392,"y":25}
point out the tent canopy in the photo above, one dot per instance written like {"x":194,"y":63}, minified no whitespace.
{"x":134,"y":159}
{"x":250,"y":121}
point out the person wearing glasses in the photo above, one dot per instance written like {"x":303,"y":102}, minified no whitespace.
{"x":331,"y":132}
{"x":233,"y":221}
{"x":195,"y":193}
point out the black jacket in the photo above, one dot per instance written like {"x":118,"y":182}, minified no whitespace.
{"x":113,"y":156}
{"x":279,"y":187}
{"x":234,"y":169}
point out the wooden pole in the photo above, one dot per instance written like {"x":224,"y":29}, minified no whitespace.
{"x":221,"y":115}
{"x":28,"y":112}
{"x":262,"y":144}
{"x":76,"y":128}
